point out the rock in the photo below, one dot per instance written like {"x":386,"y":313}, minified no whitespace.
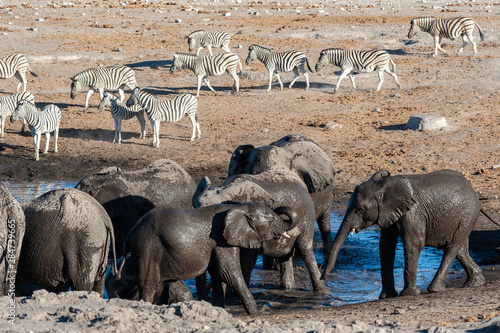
{"x":178,"y":20}
{"x":426,"y":121}
{"x":332,"y":125}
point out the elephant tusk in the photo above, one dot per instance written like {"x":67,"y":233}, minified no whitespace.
{"x":286,"y":234}
{"x":352,"y":231}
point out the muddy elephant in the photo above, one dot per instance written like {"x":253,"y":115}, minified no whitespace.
{"x":12,"y":228}
{"x":277,"y":186}
{"x":128,"y":195}
{"x":180,"y":244}
{"x":66,"y":244}
{"x":437,"y":209}
{"x":125,"y":287}
{"x":306,"y":159}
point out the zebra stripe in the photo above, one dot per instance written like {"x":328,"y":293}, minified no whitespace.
{"x":107,"y":78}
{"x":280,"y":62}
{"x":8,"y":105}
{"x":16,"y":65}
{"x":440,"y":28}
{"x":203,"y":67}
{"x":207,"y":39}
{"x":40,"y":122}
{"x":362,"y":61}
{"x":120,"y":111}
{"x":170,"y":110}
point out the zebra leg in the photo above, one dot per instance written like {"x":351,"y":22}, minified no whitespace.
{"x":157,"y":127}
{"x":307,"y":79}
{"x":296,"y":73}
{"x":279,"y":80}
{"x":119,"y":130}
{"x":270,"y":79}
{"x":2,"y":125}
{"x":351,"y":76}
{"x":56,"y":136}
{"x":121,"y":93}
{"x":193,"y":123}
{"x":345,"y":72}
{"x":199,"y":49}
{"x":22,"y":80}
{"x":394,"y":75}
{"x":199,"y":78}
{"x":226,"y":48}
{"x":116,"y":129}
{"x":24,"y":124}
{"x":142,"y":122}
{"x":36,"y":139}
{"x":380,"y":79}
{"x":153,"y":127}
{"x":47,"y":140}
{"x":209,"y":47}
{"x":207,"y":82}
{"x":236,"y":82}
{"x":90,"y":92}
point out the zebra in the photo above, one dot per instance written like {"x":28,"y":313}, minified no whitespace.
{"x":8,"y":105}
{"x":39,"y":122}
{"x":280,"y":61}
{"x":170,"y":110}
{"x":16,"y":65}
{"x":120,"y":111}
{"x":113,"y":77}
{"x":363,"y":61}
{"x":446,"y":28}
{"x":203,"y":67}
{"x":208,"y":39}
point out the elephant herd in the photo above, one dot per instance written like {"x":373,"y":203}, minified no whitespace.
{"x":171,"y":229}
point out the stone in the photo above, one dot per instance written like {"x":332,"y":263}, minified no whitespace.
{"x":426,"y":121}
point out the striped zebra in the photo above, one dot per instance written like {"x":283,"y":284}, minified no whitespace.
{"x":446,"y":28}
{"x":8,"y":105}
{"x":170,"y":110}
{"x":120,"y":111}
{"x":203,"y":67}
{"x":109,"y":78}
{"x":16,"y":65}
{"x":39,"y":122}
{"x":362,"y":61}
{"x":207,"y":39}
{"x":280,"y":61}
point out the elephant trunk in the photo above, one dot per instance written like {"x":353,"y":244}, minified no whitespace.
{"x":289,"y":229}
{"x":342,"y":234}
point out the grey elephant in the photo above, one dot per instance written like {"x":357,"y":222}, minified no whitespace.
{"x":125,"y":286}
{"x":180,"y":244}
{"x":306,"y":159}
{"x":128,"y":195}
{"x":66,"y":244}
{"x":437,"y":209}
{"x":12,"y":228}
{"x":277,"y":186}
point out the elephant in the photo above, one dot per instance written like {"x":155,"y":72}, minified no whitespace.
{"x":437,"y":209}
{"x":128,"y":195}
{"x":277,"y":186}
{"x":305,"y":158}
{"x":12,"y":229}
{"x":66,"y":244}
{"x":180,"y":244}
{"x":125,"y":287}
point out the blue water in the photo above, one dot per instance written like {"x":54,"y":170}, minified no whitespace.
{"x":355,"y":278}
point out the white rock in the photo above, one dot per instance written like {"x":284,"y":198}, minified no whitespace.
{"x":426,"y":121}
{"x":178,"y":21}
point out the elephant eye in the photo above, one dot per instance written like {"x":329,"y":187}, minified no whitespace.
{"x":361,"y":211}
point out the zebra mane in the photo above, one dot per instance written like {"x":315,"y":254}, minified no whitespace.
{"x":82,"y":73}
{"x":196,"y":33}
{"x":423,"y":21}
{"x":259,"y":47}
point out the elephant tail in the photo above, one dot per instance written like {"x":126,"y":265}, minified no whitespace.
{"x":489,"y":217}
{"x":124,"y":255}
{"x":113,"y":246}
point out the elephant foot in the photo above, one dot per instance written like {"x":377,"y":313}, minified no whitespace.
{"x":321,"y":287}
{"x":390,"y":293}
{"x":410,"y":292}
{"x":475,"y":281}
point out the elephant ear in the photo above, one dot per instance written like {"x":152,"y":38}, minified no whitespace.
{"x":204,"y":184}
{"x":239,"y":160}
{"x":395,"y":198}
{"x":239,"y":231}
{"x":380,"y":175}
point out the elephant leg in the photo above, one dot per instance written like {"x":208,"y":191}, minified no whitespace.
{"x":412,"y":247}
{"x":248,"y":258}
{"x":286,"y":272}
{"x":474,"y":274}
{"x":326,"y":233}
{"x":267,"y":262}
{"x":305,"y":249}
{"x":148,"y":278}
{"x":99,"y":286}
{"x":387,"y":250}
{"x":201,"y":286}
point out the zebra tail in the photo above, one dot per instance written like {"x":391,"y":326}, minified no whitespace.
{"x":480,"y":31}
{"x":393,"y":66}
{"x":309,"y":67}
{"x":36,"y":75}
{"x":237,"y":33}
{"x":489,"y":217}
{"x":241,"y":68}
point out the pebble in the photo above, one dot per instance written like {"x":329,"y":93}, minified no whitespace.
{"x":178,"y":21}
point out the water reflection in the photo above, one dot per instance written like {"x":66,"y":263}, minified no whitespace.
{"x":30,"y":190}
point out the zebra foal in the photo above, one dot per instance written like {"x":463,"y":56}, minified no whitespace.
{"x":170,"y":110}
{"x":363,"y":61}
{"x":8,"y":105}
{"x":440,"y":28}
{"x":207,"y":39}
{"x":39,"y":122}
{"x":280,"y":61}
{"x":16,"y":65}
{"x":100,"y":79}
{"x":203,"y":67}
{"x":120,"y":111}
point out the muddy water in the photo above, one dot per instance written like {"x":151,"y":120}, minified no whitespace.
{"x":355,"y":278}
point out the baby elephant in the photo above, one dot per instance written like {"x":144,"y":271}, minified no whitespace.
{"x":180,"y":244}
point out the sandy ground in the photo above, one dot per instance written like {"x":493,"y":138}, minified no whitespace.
{"x":61,"y":39}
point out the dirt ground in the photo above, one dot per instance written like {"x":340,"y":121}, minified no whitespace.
{"x":61,"y":39}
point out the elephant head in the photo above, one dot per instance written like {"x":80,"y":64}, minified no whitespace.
{"x":381,"y":200}
{"x":296,"y":152}
{"x":252,"y":224}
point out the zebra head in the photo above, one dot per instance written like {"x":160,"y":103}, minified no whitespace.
{"x":75,"y":87}
{"x":133,"y":99}
{"x":322,"y":61}
{"x":414,"y":29}
{"x":252,"y":54}
{"x":176,"y":64}
{"x":105,"y":101}
{"x":191,"y":43}
{"x":19,"y":112}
